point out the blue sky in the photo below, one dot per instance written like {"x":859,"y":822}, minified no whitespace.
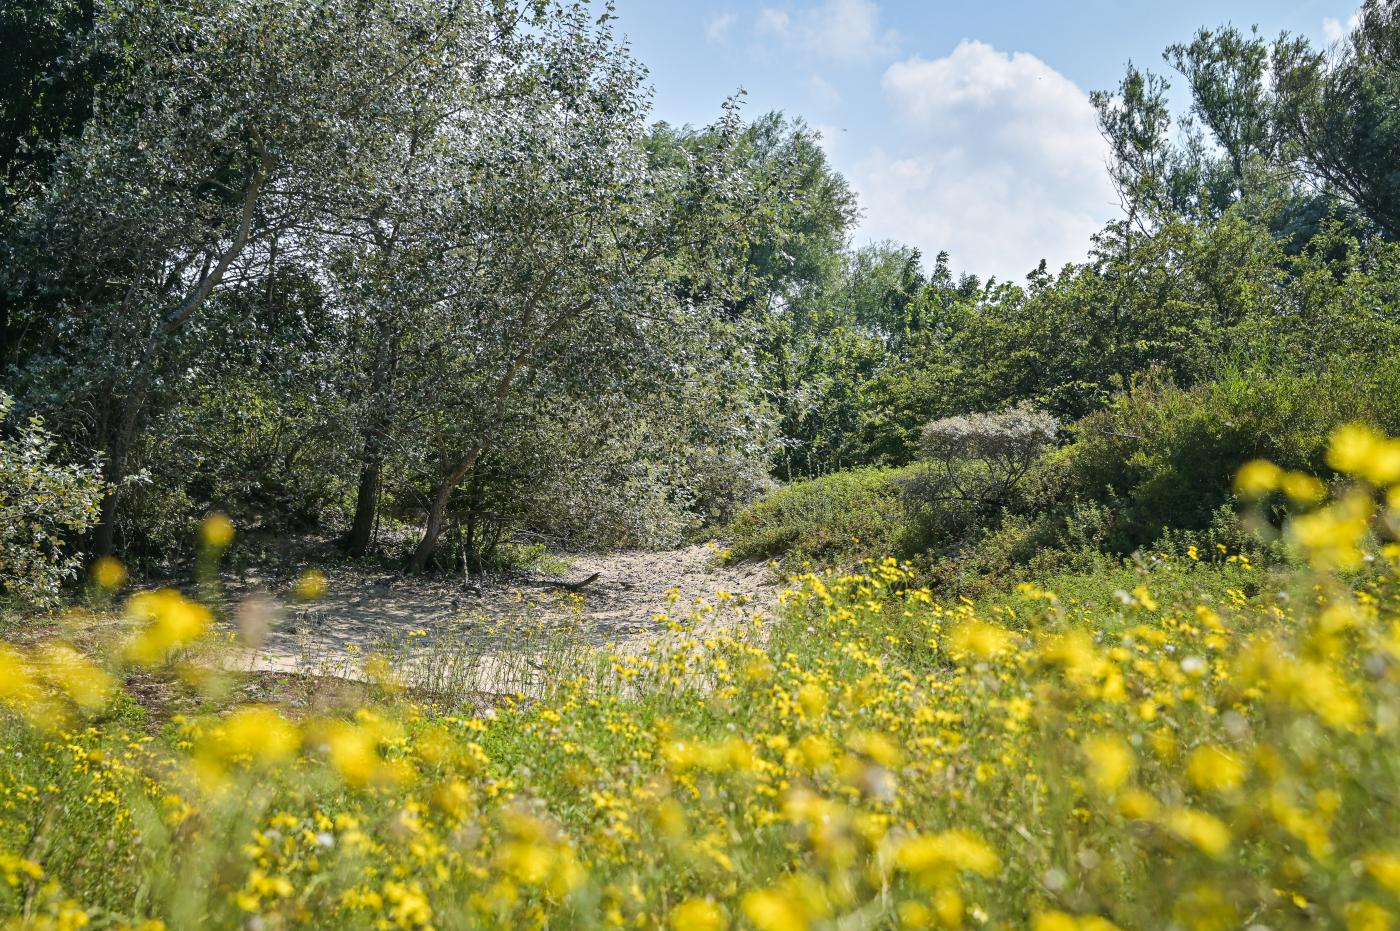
{"x":962,"y":126}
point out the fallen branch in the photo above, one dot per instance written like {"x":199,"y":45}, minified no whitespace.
{"x":557,"y":583}
{"x":574,"y":586}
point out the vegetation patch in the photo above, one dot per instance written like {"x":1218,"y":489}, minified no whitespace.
{"x":1207,"y":742}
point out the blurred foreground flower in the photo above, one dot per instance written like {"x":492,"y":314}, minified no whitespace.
{"x":109,"y":573}
{"x":311,"y":586}
{"x":216,"y":532}
{"x":169,"y":621}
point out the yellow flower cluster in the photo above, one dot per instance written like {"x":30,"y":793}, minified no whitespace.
{"x":1186,"y":754}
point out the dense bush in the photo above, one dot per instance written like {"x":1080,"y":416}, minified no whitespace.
{"x":44,"y":503}
{"x":1159,"y":454}
{"x":1143,"y":473}
{"x":834,"y":518}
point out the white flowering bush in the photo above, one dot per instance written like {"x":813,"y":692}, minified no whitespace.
{"x":43,"y":505}
{"x":984,"y":456}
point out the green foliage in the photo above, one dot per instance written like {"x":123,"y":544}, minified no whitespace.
{"x":253,"y":280}
{"x":48,"y":76}
{"x":1226,"y":71}
{"x":836,"y":518}
{"x":1339,"y":112}
{"x":1163,"y":456}
{"x":44,"y":504}
{"x":1150,"y":472}
{"x":469,"y":288}
{"x":646,"y":471}
{"x":1105,"y":587}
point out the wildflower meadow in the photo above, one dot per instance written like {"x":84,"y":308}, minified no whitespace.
{"x":1218,"y":747}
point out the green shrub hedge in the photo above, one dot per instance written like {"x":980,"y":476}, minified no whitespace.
{"x":834,"y":519}
{"x":1152,"y":470}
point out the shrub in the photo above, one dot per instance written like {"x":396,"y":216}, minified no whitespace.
{"x":1161,"y":456}
{"x":835,"y":518}
{"x":43,"y":505}
{"x":972,"y":469}
{"x":983,"y":457}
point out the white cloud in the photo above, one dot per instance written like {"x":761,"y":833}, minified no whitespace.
{"x":717,"y":27}
{"x":774,"y":22}
{"x":823,"y":90}
{"x":1001,"y":163}
{"x":844,"y":30}
{"x":1336,"y":31}
{"x":828,"y":137}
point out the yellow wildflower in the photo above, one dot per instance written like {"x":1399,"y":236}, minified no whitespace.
{"x":1384,"y":868}
{"x":169,"y":621}
{"x":109,"y":573}
{"x":1367,"y":916}
{"x":979,"y":640}
{"x":1205,"y":831}
{"x":1358,"y":450}
{"x":1110,"y":762}
{"x":1214,"y":769}
{"x":698,"y":915}
{"x":1062,"y":921}
{"x":311,"y":586}
{"x":1257,"y":478}
{"x":775,"y":910}
{"x":216,"y":531}
{"x":1303,"y":488}
{"x":936,"y":858}
{"x":812,"y":699}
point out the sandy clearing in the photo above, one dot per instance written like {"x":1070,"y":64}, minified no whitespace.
{"x":498,"y":624}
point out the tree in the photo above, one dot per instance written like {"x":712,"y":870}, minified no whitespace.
{"x":1136,"y":121}
{"x":551,"y":261}
{"x":235,"y":128}
{"x":1342,"y":113}
{"x":1227,"y":72}
{"x":48,"y":76}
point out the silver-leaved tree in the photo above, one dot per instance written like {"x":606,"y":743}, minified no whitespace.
{"x":526,"y":261}
{"x":225,"y":134}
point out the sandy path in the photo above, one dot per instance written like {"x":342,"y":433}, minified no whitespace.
{"x":364,"y":613}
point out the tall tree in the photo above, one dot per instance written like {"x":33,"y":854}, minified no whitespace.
{"x":1341,"y":112}
{"x":543,"y":249}
{"x":236,"y":125}
{"x":1136,"y":122}
{"x":1228,"y":72}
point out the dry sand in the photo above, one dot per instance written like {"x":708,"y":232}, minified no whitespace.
{"x":364,"y":612}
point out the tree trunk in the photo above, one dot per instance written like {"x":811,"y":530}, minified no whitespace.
{"x":104,"y":535}
{"x":371,"y":458}
{"x":471,"y":554}
{"x":104,"y":538}
{"x":424,"y":551}
{"x":437,"y":510}
{"x":357,"y":543}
